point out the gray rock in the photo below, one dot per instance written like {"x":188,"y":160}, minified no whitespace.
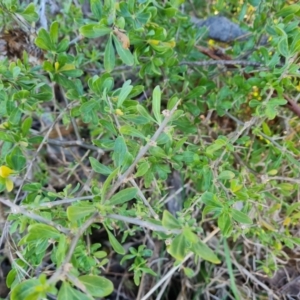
{"x":221,"y":29}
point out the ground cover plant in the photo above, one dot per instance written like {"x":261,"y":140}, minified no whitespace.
{"x":148,"y":154}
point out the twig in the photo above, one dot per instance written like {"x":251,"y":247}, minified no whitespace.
{"x":15,"y":209}
{"x":254,"y":279}
{"x":74,"y":143}
{"x":89,"y":178}
{"x":142,"y":152}
{"x":283,"y":179}
{"x":234,"y":137}
{"x":145,"y":201}
{"x":142,"y":223}
{"x":292,"y":105}
{"x":65,"y":201}
{"x":42,"y":14}
{"x":77,"y":39}
{"x":63,"y":269}
{"x":174,"y":269}
{"x":172,"y":195}
{"x":222,"y":62}
{"x":40,"y":148}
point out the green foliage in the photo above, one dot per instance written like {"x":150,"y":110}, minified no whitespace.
{"x":140,"y":108}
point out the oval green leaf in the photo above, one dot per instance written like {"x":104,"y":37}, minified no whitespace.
{"x":156,"y":103}
{"x":114,"y":243}
{"x":97,"y":286}
{"x":125,"y":55}
{"x":123,"y":196}
{"x":109,"y":56}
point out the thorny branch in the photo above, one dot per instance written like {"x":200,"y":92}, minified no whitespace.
{"x":96,"y":215}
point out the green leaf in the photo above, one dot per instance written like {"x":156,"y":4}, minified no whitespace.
{"x":123,"y":196}
{"x":77,"y":212}
{"x":24,"y":289}
{"x":226,"y":175}
{"x":125,"y":91}
{"x":66,"y":292}
{"x":70,"y":71}
{"x":240,"y":217}
{"x":169,"y":221}
{"x":189,"y":272}
{"x":125,"y":54}
{"x":61,"y":250}
{"x":283,"y":47}
{"x":94,"y":30}
{"x":16,"y":159}
{"x":114,"y":243}
{"x":277,"y":101}
{"x":107,"y":182}
{"x":120,"y":150}
{"x":32,"y":187}
{"x":89,"y":106}
{"x":109,"y":56}
{"x":96,"y":8}
{"x":225,"y":224}
{"x":101,"y":30}
{"x":97,"y":286}
{"x":205,"y":252}
{"x":141,"y":109}
{"x":42,"y":231}
{"x":15,"y":116}
{"x":54,"y":32}
{"x":196,"y":92}
{"x":211,"y":209}
{"x":156,"y":103}
{"x":142,"y":169}
{"x":47,"y":66}
{"x":292,"y":9}
{"x":63,"y":45}
{"x":217,"y":145}
{"x":29,"y":14}
{"x":128,"y":130}
{"x":43,"y":40}
{"x":98,"y":167}
{"x":6,"y":137}
{"x":26,"y":125}
{"x":178,"y":247}
{"x":44,"y":93}
{"x":21,"y":95}
{"x":286,"y":186}
{"x":190,"y":236}
{"x":209,"y":198}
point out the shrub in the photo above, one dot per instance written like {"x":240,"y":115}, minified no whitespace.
{"x":112,"y":108}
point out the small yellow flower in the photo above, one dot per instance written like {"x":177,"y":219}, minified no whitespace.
{"x":287,"y":221}
{"x":211,"y":42}
{"x":119,"y":112}
{"x":5,"y":172}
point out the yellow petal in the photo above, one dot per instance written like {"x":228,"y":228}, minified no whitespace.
{"x":5,"y":171}
{"x":9,"y":185}
{"x":153,"y":42}
{"x":56,"y":66}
